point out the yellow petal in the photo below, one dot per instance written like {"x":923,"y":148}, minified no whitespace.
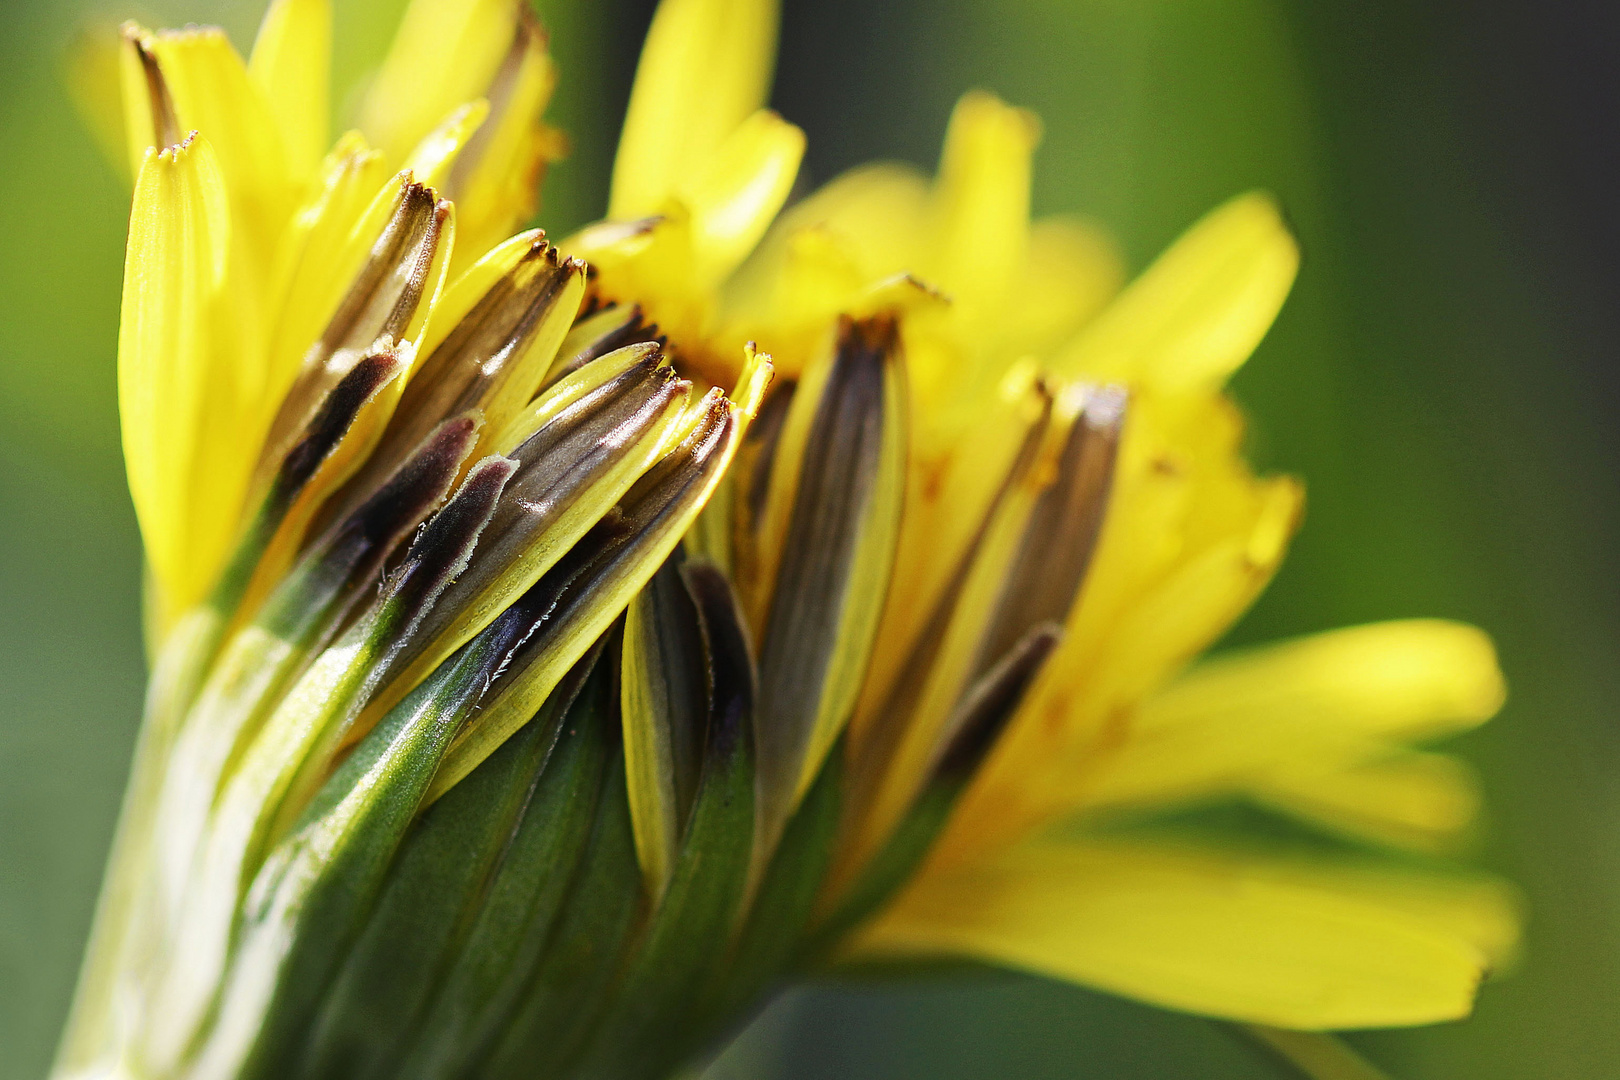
{"x":1342,"y":693}
{"x":382,"y":280}
{"x":1409,"y":799}
{"x":1241,"y":937}
{"x":445,"y":54}
{"x":91,"y":73}
{"x":291,"y":65}
{"x":214,"y":94}
{"x":982,"y":198}
{"x":470,"y":286}
{"x":318,"y":257}
{"x":1197,"y":313}
{"x":712,"y":428}
{"x":496,"y":182}
{"x":862,"y":227}
{"x":903,"y":708}
{"x":825,"y":555}
{"x":649,"y":263}
{"x":739,"y":192}
{"x":149,"y":115}
{"x":1073,"y":269}
{"x":176,"y":402}
{"x":433,"y":158}
{"x":1189,"y":542}
{"x":1409,"y":679}
{"x":706,"y":65}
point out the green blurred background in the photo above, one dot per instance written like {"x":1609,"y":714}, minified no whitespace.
{"x":1444,"y":376}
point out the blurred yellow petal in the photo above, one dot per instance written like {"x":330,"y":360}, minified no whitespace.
{"x":1197,"y":313}
{"x":1074,"y":268}
{"x":176,"y":401}
{"x":1409,"y":799}
{"x":705,"y":67}
{"x":982,"y":198}
{"x":1328,"y":695}
{"x":877,"y":212}
{"x":819,"y":257}
{"x":741,"y":190}
{"x":496,"y":181}
{"x":432,"y":159}
{"x":91,"y":73}
{"x":291,"y":65}
{"x":1408,"y":679}
{"x":149,"y":114}
{"x":1243,"y":937}
{"x":445,"y":54}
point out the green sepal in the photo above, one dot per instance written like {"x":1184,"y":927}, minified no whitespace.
{"x":768,"y":944}
{"x":285,"y":765}
{"x":787,"y":893}
{"x":676,"y":960}
{"x":433,"y":893}
{"x":580,"y":962}
{"x":310,"y":899}
{"x":486,"y":978}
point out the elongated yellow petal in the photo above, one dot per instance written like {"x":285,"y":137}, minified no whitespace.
{"x":707,"y":65}
{"x":171,"y":389}
{"x":318,"y":258}
{"x":1409,"y":799}
{"x":214,"y":94}
{"x":1410,"y":679}
{"x":712,"y":428}
{"x":291,"y":66}
{"x":496,"y":181}
{"x":1335,"y":697}
{"x":91,"y":70}
{"x":1073,"y":270}
{"x":387,"y":274}
{"x":828,"y":543}
{"x":1189,"y":542}
{"x":1244,"y":937}
{"x":664,"y":701}
{"x":982,"y":198}
{"x":470,"y":286}
{"x":531,"y":534}
{"x":340,"y":464}
{"x":444,"y":55}
{"x":738,"y":194}
{"x":1197,"y":313}
{"x":149,"y":114}
{"x":432,"y":159}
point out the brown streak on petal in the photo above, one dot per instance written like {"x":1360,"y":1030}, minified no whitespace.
{"x":165,"y":123}
{"x":376,"y":309}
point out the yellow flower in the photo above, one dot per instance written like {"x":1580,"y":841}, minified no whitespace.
{"x":517,"y":708}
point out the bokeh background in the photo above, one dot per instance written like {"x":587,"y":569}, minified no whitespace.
{"x":1444,"y":376}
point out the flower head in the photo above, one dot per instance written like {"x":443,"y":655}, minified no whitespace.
{"x":538,"y":685}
